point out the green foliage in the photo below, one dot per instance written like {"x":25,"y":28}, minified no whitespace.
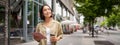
{"x":114,"y":18}
{"x":95,"y":8}
{"x":111,"y":21}
{"x":118,"y":20}
{"x":104,"y":23}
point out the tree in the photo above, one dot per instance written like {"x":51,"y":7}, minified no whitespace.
{"x":114,"y":19}
{"x":95,"y":8}
{"x":118,"y":19}
{"x":111,"y":21}
{"x":117,"y":14}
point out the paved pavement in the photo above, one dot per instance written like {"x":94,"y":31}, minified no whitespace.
{"x":29,"y":43}
{"x":79,"y":38}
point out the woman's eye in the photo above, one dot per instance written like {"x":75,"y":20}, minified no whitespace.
{"x":44,"y":9}
{"x":48,"y":8}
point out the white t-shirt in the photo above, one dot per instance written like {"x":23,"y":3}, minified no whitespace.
{"x":48,"y":36}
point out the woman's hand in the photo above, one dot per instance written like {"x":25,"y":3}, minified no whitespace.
{"x":38,"y":36}
{"x":54,"y":39}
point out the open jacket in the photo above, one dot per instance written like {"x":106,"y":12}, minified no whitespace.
{"x":55,"y":28}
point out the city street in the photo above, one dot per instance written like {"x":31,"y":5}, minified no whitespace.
{"x":79,"y":38}
{"x":77,"y":19}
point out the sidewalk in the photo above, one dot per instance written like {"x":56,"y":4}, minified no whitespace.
{"x":29,"y":43}
{"x":87,"y":39}
{"x":113,"y":38}
{"x":101,"y":39}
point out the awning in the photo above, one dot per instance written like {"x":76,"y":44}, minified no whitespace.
{"x":67,"y":22}
{"x":69,"y":5}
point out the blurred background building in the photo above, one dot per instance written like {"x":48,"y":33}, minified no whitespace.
{"x":18,"y":18}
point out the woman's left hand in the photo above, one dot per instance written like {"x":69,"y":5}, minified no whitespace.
{"x":54,"y":39}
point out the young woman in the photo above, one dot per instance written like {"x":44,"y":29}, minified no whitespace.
{"x":51,"y":29}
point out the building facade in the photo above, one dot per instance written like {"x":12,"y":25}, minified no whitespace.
{"x":24,"y":15}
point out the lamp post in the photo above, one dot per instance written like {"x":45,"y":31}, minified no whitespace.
{"x":25,"y":7}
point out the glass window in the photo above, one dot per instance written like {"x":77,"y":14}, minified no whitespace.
{"x":64,"y":12}
{"x":58,"y":9}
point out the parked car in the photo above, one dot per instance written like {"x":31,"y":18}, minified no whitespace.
{"x":66,"y":26}
{"x":75,"y":27}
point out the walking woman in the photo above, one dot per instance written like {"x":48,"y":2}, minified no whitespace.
{"x":51,"y":29}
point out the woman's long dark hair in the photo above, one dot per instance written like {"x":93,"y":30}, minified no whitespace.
{"x":41,"y":12}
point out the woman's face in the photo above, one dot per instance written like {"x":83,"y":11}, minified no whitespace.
{"x":46,"y":12}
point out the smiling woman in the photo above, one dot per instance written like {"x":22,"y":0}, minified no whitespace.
{"x":49,"y":28}
{"x":46,"y":12}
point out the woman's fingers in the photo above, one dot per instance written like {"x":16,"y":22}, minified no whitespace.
{"x":53,"y":39}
